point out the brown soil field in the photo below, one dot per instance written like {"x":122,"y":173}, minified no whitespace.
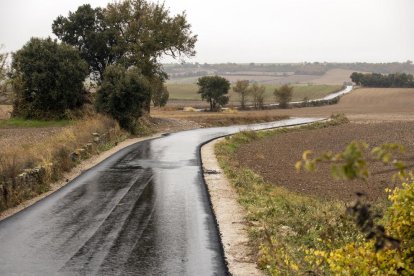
{"x":24,"y":136}
{"x":373,"y":104}
{"x":274,"y":158}
{"x":334,"y":76}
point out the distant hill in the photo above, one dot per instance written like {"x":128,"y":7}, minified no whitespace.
{"x":278,"y":73}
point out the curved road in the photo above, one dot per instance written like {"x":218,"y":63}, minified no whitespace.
{"x":143,"y":211}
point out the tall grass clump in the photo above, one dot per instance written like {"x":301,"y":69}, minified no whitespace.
{"x":28,"y":170}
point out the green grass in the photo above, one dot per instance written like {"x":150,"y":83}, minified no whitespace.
{"x":284,"y":225}
{"x":23,"y":123}
{"x":186,"y":91}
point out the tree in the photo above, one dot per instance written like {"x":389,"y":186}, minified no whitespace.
{"x":131,"y":32}
{"x":356,"y":77}
{"x":283,"y":95}
{"x":242,"y":88}
{"x":380,"y":80}
{"x":122,"y":95}
{"x":87,"y":30}
{"x":258,"y":93}
{"x":159,"y":94}
{"x":48,"y":79}
{"x":214,"y":89}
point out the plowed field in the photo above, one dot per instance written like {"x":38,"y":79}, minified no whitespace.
{"x":274,"y":158}
{"x":373,"y":104}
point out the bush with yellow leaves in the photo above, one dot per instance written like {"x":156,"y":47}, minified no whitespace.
{"x":388,"y":249}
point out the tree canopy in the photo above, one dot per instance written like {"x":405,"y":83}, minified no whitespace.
{"x":258,"y":94}
{"x":283,"y":95}
{"x":380,"y":80}
{"x":242,"y":88}
{"x":48,"y":79}
{"x":131,"y":32}
{"x":159,"y":93}
{"x":87,"y":30}
{"x":214,"y":89}
{"x":122,"y":95}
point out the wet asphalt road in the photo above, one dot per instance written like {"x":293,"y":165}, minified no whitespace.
{"x":143,"y":211}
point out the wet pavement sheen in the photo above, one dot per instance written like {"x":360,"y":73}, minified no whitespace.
{"x":143,"y":211}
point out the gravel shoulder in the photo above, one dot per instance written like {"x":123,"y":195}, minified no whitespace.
{"x":230,"y":216}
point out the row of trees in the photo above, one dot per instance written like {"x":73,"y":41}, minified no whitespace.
{"x":214,"y":89}
{"x":119,"y":47}
{"x":307,"y":68}
{"x":380,"y":80}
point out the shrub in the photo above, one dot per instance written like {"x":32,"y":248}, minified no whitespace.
{"x":283,"y":95}
{"x":388,"y":249}
{"x":123,"y":95}
{"x":48,"y":79}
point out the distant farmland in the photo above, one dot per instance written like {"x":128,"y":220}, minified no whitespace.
{"x":188,"y":92}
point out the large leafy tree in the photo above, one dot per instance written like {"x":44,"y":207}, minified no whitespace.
{"x":130,"y":32}
{"x":214,"y":89}
{"x":87,"y":30}
{"x":48,"y":79}
{"x":122,"y":95}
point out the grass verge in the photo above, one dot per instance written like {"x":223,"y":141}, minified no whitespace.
{"x":23,"y":123}
{"x":187,"y":91}
{"x":283,"y":226}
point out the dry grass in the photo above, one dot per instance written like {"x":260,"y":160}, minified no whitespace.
{"x":5,"y":111}
{"x":53,"y":154}
{"x":228,"y":117}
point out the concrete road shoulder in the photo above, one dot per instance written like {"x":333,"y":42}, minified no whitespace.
{"x":230,"y":216}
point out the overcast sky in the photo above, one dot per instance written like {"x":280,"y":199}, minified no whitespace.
{"x":256,"y":31}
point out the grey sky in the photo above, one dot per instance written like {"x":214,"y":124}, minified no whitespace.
{"x":257,"y":31}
